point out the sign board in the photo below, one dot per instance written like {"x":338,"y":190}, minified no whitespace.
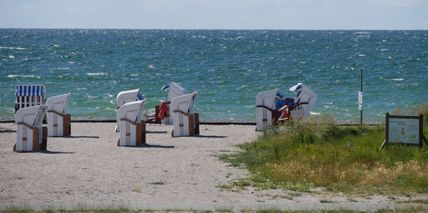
{"x":360,"y":101}
{"x":403,"y":130}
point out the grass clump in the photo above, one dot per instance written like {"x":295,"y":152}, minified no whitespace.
{"x":304,"y":154}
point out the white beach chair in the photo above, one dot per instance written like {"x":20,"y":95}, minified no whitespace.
{"x":174,"y":90}
{"x":58,"y":120}
{"x":265,"y":111}
{"x":132,"y":130}
{"x":29,"y":95}
{"x":305,"y":98}
{"x":31,"y":136}
{"x":186,"y":122}
{"x":126,"y":96}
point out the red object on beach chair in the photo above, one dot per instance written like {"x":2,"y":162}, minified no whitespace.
{"x":163,"y":110}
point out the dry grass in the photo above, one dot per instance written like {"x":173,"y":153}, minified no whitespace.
{"x":316,"y":153}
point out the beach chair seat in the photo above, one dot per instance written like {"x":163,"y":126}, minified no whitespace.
{"x":163,"y":111}
{"x":58,"y":121}
{"x":31,"y":135}
{"x":29,"y":95}
{"x":126,"y":96}
{"x":266,"y":114}
{"x":185,"y":121}
{"x":132,"y":129}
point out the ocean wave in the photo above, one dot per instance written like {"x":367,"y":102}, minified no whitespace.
{"x":62,"y":68}
{"x":96,"y":73}
{"x":23,"y":76}
{"x":397,"y":79}
{"x":315,"y":113}
{"x":13,"y":48}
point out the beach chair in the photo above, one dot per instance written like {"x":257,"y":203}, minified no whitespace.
{"x":29,"y":95}
{"x":58,"y":121}
{"x":186,"y":122}
{"x":174,"y":90}
{"x":126,"y":96}
{"x":132,"y":129}
{"x":31,"y":135}
{"x":305,"y":98}
{"x":266,"y":114}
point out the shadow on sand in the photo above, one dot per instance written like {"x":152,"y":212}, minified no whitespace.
{"x":210,"y":136}
{"x":146,"y":145}
{"x":82,"y":136}
{"x":156,"y":132}
{"x":55,"y":152}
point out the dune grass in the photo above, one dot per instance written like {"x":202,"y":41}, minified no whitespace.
{"x":318,"y":153}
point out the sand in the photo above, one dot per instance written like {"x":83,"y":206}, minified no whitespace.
{"x":88,"y":170}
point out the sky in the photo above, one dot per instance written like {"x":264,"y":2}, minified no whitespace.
{"x":216,"y":14}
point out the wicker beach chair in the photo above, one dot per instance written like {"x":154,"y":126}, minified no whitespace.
{"x":31,"y":135}
{"x":174,"y":90}
{"x":186,"y":121}
{"x":132,"y":129}
{"x":29,"y":95}
{"x":266,"y":114}
{"x":58,"y":121}
{"x":126,"y":96}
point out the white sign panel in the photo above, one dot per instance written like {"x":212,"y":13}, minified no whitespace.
{"x":403,"y":130}
{"x":360,"y":100}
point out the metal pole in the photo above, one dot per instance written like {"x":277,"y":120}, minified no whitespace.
{"x":361,"y":89}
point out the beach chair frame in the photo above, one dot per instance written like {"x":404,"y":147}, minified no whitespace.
{"x":59,"y":123}
{"x":132,"y":131}
{"x":266,"y":114}
{"x":186,"y":122}
{"x":31,"y":136}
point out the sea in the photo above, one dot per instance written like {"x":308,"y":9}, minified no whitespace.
{"x":226,"y":67}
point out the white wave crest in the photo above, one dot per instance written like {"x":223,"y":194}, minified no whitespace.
{"x":96,"y":73}
{"x":13,"y":48}
{"x":23,"y":76}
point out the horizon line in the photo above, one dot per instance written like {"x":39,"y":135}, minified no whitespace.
{"x":218,"y":29}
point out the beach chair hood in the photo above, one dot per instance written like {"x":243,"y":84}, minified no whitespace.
{"x":128,"y":96}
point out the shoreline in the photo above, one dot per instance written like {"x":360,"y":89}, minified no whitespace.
{"x":243,"y":123}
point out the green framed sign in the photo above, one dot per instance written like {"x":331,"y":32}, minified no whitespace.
{"x":407,"y":130}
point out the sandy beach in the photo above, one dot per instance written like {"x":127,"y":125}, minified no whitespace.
{"x":88,"y":170}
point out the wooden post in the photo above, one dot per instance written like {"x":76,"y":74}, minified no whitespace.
{"x":361,"y":89}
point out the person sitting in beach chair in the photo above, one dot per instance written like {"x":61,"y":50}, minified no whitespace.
{"x":186,"y":121}
{"x":298,"y":107}
{"x":28,"y":95}
{"x":58,"y":121}
{"x":132,"y":129}
{"x":126,"y":96}
{"x":31,"y":135}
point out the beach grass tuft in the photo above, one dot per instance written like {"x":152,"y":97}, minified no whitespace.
{"x":301,"y":155}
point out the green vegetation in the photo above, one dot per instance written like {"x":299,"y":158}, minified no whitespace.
{"x":318,"y":153}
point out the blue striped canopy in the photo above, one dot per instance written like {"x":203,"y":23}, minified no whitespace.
{"x":30,"y":90}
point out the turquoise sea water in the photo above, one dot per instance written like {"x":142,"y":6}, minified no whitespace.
{"x":227,"y":68}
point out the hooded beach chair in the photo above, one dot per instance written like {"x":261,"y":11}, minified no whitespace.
{"x":58,"y":120}
{"x":305,"y":98}
{"x":126,"y":96}
{"x":186,"y":122}
{"x":31,"y":135}
{"x":174,"y":90}
{"x":29,"y":95}
{"x":266,"y":114}
{"x":132,"y":129}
